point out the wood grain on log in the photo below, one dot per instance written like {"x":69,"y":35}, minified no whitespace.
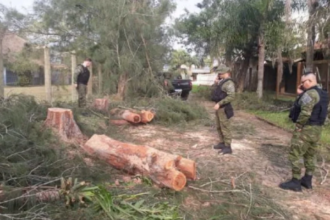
{"x":131,"y":117}
{"x":146,"y":116}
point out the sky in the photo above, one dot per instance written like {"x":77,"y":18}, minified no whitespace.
{"x":26,"y":6}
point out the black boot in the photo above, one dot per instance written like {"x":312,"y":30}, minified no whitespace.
{"x":226,"y":150}
{"x":293,"y":184}
{"x":221,"y":145}
{"x":306,"y":181}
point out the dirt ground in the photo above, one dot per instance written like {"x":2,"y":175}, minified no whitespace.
{"x":259,"y":149}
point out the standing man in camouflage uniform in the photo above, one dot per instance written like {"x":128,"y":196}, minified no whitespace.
{"x":82,"y":76}
{"x":223,"y":95}
{"x":309,"y":113}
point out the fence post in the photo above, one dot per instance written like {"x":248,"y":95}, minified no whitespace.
{"x":73,"y":68}
{"x":48,"y":84}
{"x":90,"y":82}
{"x":99,"y":73}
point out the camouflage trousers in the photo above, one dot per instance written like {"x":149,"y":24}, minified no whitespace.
{"x":304,"y":146}
{"x":223,"y":126}
{"x":82,"y":92}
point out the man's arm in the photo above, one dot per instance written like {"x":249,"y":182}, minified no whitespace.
{"x":307,"y":103}
{"x":229,"y":88}
{"x":77,"y":71}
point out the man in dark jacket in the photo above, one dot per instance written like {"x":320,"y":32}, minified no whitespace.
{"x":82,"y":76}
{"x":309,"y":113}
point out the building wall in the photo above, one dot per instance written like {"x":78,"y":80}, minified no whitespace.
{"x":59,"y":93}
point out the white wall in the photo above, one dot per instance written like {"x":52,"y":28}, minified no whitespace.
{"x":205,"y":79}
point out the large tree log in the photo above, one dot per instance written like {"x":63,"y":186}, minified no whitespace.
{"x":158,"y":165}
{"x":131,"y":117}
{"x":188,"y":168}
{"x":146,"y":116}
{"x":62,"y":121}
{"x":127,"y":115}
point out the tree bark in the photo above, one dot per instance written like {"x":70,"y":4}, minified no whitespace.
{"x":242,"y":74}
{"x":279,"y":71}
{"x":261,"y":61}
{"x":312,"y":5}
{"x":99,"y":74}
{"x":161,"y":167}
{"x":73,"y":70}
{"x":122,"y":85}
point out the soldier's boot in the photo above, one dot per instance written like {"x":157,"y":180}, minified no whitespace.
{"x":226,"y":150}
{"x":220,"y":145}
{"x":306,"y":181}
{"x":294,"y":185}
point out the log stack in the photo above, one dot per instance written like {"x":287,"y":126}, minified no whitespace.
{"x":165,"y":169}
{"x":127,"y":116}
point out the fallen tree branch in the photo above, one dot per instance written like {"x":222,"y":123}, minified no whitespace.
{"x":214,"y":191}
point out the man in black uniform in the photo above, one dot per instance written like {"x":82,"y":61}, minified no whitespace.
{"x":82,"y":74}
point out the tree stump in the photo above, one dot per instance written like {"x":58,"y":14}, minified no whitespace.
{"x":62,"y":121}
{"x":101,"y":104}
{"x":160,"y":166}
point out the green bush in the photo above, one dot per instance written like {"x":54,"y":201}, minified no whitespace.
{"x":203,"y":91}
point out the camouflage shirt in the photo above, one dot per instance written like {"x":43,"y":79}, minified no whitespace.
{"x":229,"y":88}
{"x":307,"y":102}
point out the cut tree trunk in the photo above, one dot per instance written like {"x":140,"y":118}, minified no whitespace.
{"x":62,"y":121}
{"x":160,"y":166}
{"x":130,"y":116}
{"x":146,"y":116}
{"x":101,"y":104}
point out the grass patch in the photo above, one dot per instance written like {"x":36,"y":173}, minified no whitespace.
{"x":202,"y":91}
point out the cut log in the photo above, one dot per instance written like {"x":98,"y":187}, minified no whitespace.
{"x":188,"y":168}
{"x":101,"y":104}
{"x":146,"y":116}
{"x":62,"y":121}
{"x":119,"y":122}
{"x":131,"y":117}
{"x":136,"y":159}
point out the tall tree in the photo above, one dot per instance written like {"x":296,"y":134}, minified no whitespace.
{"x":238,"y":30}
{"x":130,"y":42}
{"x":9,"y":21}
